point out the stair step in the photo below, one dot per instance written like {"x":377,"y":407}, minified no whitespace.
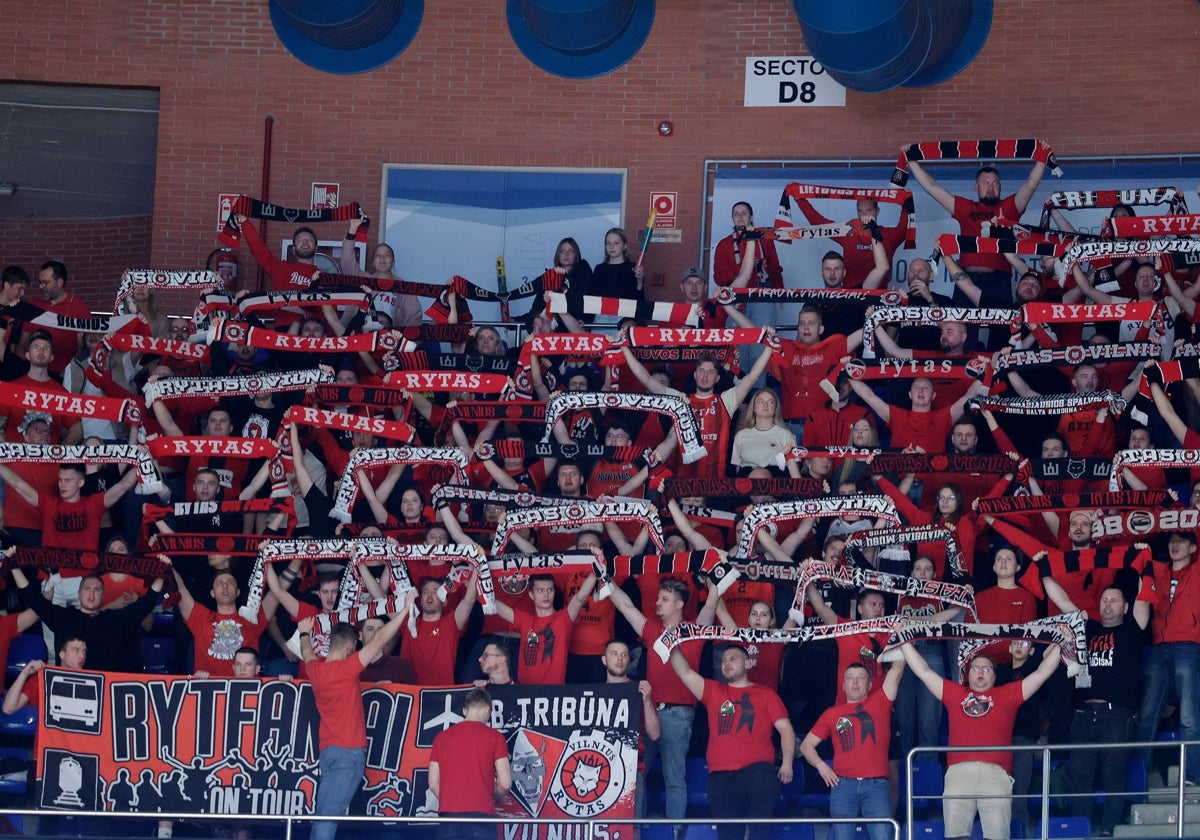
{"x":1156,"y":813}
{"x":1155,"y":831}
{"x":1168,"y":795}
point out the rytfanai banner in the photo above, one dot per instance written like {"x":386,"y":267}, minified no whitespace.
{"x":135,"y":742}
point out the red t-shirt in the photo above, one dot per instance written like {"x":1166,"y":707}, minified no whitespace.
{"x":927,"y":429}
{"x":859,"y":649}
{"x":339,"y":702}
{"x":981,"y":720}
{"x":218,"y":636}
{"x":800,"y":368}
{"x":740,"y":724}
{"x":595,"y":624}
{"x":65,"y":342}
{"x":544,"y":644}
{"x":467,"y":754}
{"x":860,"y":733}
{"x":71,"y":524}
{"x":970,"y":216}
{"x":763,"y":665}
{"x":712,"y":418}
{"x":668,"y":688}
{"x":434,"y":651}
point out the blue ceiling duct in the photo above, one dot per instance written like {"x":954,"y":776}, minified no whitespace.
{"x":346,"y":36}
{"x":579,"y":39}
{"x":876,"y":45}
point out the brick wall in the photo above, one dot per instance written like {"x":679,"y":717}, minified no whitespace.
{"x":1108,"y":82}
{"x":94,"y":252}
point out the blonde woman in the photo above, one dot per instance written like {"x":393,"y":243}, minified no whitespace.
{"x":763,"y":436}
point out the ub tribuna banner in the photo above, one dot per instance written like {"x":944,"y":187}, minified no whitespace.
{"x":146,"y":743}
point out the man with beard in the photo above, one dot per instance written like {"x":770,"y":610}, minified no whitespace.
{"x":286,"y":275}
{"x":990,"y":270}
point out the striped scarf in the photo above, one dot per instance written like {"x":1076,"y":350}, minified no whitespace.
{"x":1038,"y":150}
{"x":659,"y":311}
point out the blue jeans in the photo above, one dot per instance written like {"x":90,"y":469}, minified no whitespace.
{"x":860,"y":798}
{"x":763,"y":314}
{"x":341,"y":776}
{"x":672,"y":745}
{"x":1178,"y":664}
{"x":918,"y":712}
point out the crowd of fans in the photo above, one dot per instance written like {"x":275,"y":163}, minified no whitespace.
{"x":797,"y":417}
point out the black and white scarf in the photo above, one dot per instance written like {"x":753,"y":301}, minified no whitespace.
{"x":347,"y":492}
{"x":677,"y":408}
{"x":757,"y":516}
{"x":234,"y":386}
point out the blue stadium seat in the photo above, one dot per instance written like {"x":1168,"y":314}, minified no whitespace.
{"x":1066,"y":827}
{"x":696,"y":776}
{"x":922,"y":830}
{"x":791,"y":831}
{"x":22,"y":723}
{"x":926,"y":783}
{"x":14,"y":783}
{"x":658,"y":832}
{"x":157,"y":653}
{"x":791,"y":793}
{"x":701,"y":832}
{"x":23,"y":650}
{"x":814,"y":794}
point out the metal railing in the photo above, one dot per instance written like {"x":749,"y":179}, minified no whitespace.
{"x":1047,"y":762}
{"x":578,"y":829}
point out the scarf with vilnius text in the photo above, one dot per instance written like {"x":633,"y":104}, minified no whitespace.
{"x":451,"y":458}
{"x":160,"y":280}
{"x":857,"y":578}
{"x":880,"y":537}
{"x":577,"y":516}
{"x":683,"y":419}
{"x":1102,"y":254}
{"x":932,"y":316}
{"x":1162,"y":458}
{"x":234,"y":386}
{"x":150,"y":480}
{"x":757,"y":516}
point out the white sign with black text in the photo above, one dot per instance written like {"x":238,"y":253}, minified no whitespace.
{"x":790,"y":81}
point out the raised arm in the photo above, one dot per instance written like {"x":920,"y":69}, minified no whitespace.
{"x":883,"y":266}
{"x":1037,"y":679}
{"x":580,"y":599}
{"x":744,"y":385}
{"x":642,"y":375}
{"x":921,"y":670}
{"x":380,"y":640}
{"x":186,"y":602}
{"x":693,"y":681}
{"x":932,"y":188}
{"x":20,"y":485}
{"x":873,"y":402}
{"x":625,"y":607}
{"x":962,"y":280}
{"x":891,"y":683}
{"x":1027,"y":189}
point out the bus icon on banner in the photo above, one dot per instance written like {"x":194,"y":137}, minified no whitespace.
{"x":74,"y":698}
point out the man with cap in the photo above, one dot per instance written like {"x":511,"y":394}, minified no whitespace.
{"x":742,"y":778}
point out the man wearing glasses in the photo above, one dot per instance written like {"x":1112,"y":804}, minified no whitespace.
{"x":980,"y":714}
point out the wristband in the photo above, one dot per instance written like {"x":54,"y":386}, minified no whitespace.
{"x":350,"y":237}
{"x":302,"y":635}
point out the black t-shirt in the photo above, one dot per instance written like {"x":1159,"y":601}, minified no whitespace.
{"x":1114,"y":656}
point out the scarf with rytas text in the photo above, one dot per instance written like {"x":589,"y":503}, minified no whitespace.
{"x":244,"y":205}
{"x":903,"y":198}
